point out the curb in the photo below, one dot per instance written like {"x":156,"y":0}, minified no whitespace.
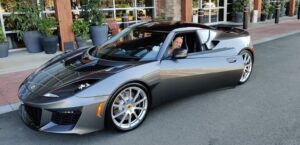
{"x":9,"y":108}
{"x":275,"y":37}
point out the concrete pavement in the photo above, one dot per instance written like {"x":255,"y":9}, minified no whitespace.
{"x":263,"y":111}
{"x":15,"y":68}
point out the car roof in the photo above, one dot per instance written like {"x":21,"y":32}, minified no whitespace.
{"x":168,"y":26}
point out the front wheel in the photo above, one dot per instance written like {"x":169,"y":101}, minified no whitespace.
{"x":248,"y":64}
{"x":128,"y":107}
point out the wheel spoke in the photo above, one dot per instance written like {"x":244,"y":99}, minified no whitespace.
{"x":129,"y":122}
{"x":123,"y":119}
{"x":136,"y":95}
{"x":118,"y":106}
{"x":135,"y":115}
{"x":139,"y":108}
{"x":122,"y":96}
{"x":137,"y":103}
{"x":120,"y":113}
{"x":248,"y":59}
{"x":130,"y":92}
{"x":243,"y":76}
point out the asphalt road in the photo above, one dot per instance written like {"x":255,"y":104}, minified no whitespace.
{"x":264,"y":111}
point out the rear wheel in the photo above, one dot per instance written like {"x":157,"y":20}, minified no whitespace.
{"x":129,"y":107}
{"x":248,"y":64}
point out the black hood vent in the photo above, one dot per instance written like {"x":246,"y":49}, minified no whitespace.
{"x":92,"y":68}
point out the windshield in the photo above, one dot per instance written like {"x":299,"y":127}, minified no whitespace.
{"x":132,"y":44}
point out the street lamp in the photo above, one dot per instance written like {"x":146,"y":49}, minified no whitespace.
{"x":277,"y":12}
{"x":246,"y":17}
{"x":298,"y":11}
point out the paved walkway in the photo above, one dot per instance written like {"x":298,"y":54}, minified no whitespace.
{"x":15,"y":68}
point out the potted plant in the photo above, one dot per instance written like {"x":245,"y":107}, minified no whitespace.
{"x":265,"y":10}
{"x":282,"y":8}
{"x":296,"y":7}
{"x":94,"y":16}
{"x":48,"y":40}
{"x":80,"y":29}
{"x":26,"y":17}
{"x":271,"y":11}
{"x":238,"y":8}
{"x":195,"y":4}
{"x":3,"y":45}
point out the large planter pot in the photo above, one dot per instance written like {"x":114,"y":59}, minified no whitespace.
{"x":4,"y":49}
{"x":99,"y":34}
{"x":80,"y":42}
{"x":32,"y":41}
{"x":263,"y":17}
{"x":238,"y":17}
{"x":195,"y":19}
{"x":282,"y":12}
{"x":270,"y":16}
{"x":49,"y":44}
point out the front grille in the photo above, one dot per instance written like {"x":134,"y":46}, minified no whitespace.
{"x":66,"y":117}
{"x":34,"y":114}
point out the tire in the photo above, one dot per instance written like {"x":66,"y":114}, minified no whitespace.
{"x":128,"y":107}
{"x":248,"y":66}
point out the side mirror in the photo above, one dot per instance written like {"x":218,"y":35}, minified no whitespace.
{"x":180,"y":53}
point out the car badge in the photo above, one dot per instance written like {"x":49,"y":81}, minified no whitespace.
{"x":32,"y":87}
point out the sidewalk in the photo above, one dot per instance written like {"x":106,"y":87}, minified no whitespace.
{"x":15,"y":68}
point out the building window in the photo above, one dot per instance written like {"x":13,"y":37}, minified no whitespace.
{"x":136,"y":10}
{"x":214,"y":10}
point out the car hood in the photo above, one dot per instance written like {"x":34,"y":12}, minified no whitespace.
{"x":65,"y":70}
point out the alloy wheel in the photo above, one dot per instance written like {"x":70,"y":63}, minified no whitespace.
{"x":247,"y":59}
{"x":129,"y":108}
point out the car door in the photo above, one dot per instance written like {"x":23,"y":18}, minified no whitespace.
{"x":199,"y":72}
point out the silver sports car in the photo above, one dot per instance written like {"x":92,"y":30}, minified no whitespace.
{"x":115,"y":84}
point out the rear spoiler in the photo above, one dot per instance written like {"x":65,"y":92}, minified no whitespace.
{"x":230,"y":28}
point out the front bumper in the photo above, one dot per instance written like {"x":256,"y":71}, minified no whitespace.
{"x":79,"y":120}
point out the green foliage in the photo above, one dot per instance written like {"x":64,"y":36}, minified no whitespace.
{"x":239,"y":5}
{"x":195,"y":4}
{"x":80,"y":28}
{"x":93,"y":13}
{"x":46,"y":26}
{"x":122,"y":5}
{"x":271,"y":8}
{"x":25,"y":15}
{"x":296,"y":4}
{"x":282,"y":4}
{"x":2,"y":37}
{"x":265,"y":7}
{"x":160,"y":18}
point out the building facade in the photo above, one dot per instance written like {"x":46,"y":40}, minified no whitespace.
{"x":215,"y":11}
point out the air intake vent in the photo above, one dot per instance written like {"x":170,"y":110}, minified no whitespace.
{"x":34,"y":114}
{"x":66,"y":117}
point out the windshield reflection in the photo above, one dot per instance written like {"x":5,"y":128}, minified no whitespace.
{"x":132,"y":44}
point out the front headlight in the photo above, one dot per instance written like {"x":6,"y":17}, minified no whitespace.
{"x":50,"y":95}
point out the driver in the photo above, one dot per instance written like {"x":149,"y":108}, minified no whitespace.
{"x":176,"y":43}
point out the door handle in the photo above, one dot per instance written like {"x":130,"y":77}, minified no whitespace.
{"x":231,"y":60}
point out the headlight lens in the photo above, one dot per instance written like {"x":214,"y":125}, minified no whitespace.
{"x":50,"y":95}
